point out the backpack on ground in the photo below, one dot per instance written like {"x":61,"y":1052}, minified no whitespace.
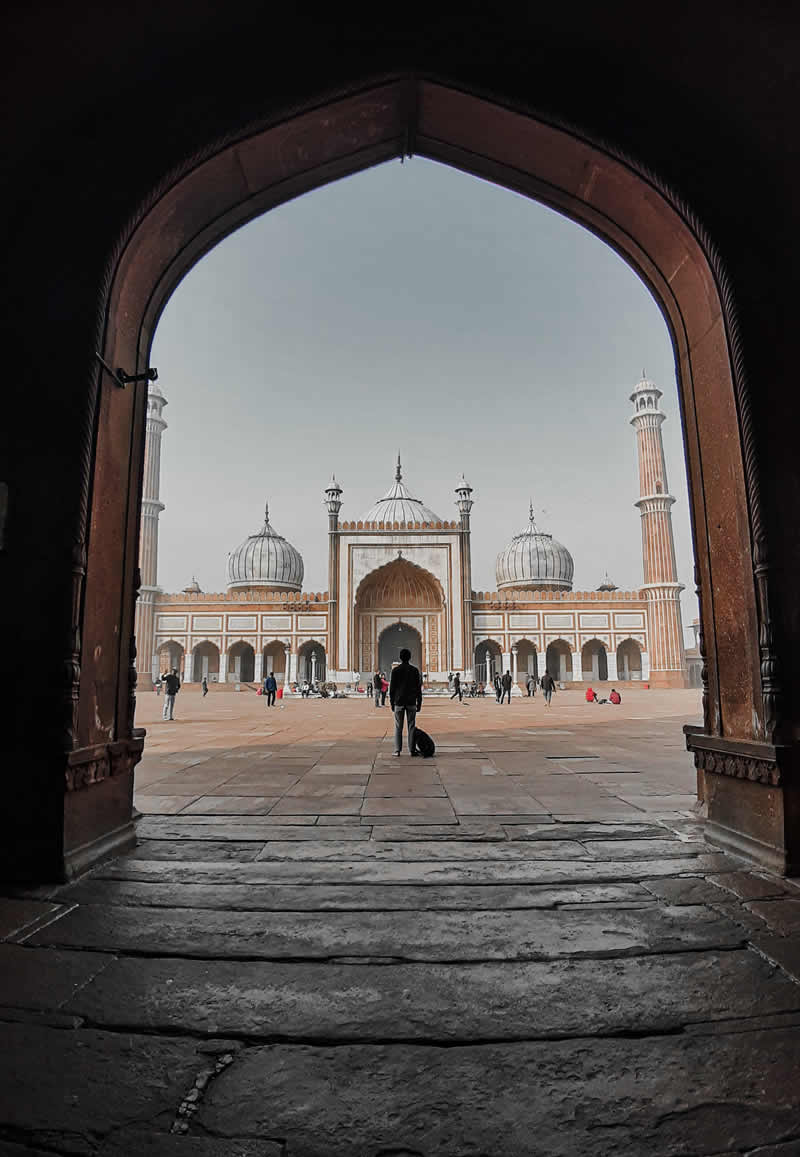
{"x":423,"y":744}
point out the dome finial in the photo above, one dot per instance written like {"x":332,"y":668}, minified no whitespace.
{"x":266,"y":513}
{"x":398,"y":474}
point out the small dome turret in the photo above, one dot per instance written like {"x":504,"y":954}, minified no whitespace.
{"x":534,"y":560}
{"x":397,"y":505}
{"x":193,"y":588}
{"x":265,"y":560}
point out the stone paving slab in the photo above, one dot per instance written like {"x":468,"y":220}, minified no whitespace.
{"x":669,"y":1095}
{"x":350,"y":897}
{"x":247,"y":832}
{"x":56,"y":1081}
{"x":421,"y":851}
{"x":15,"y":915}
{"x":341,"y":1002}
{"x":30,"y":979}
{"x":135,"y":867}
{"x":214,"y":849}
{"x":399,"y":935}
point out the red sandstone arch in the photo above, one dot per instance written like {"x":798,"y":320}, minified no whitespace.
{"x":231,"y":182}
{"x":399,"y":585}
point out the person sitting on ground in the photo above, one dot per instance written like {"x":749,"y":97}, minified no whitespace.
{"x":591,"y":696}
{"x":405,"y":699}
{"x":615,"y":697}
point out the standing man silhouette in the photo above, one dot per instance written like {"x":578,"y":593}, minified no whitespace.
{"x":405,"y":697}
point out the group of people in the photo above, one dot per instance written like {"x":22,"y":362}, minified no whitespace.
{"x":378,"y":686}
{"x":614,"y":696}
{"x":502,"y":685}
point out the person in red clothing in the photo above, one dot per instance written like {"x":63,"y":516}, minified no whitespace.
{"x":615,"y":696}
{"x":591,"y":696}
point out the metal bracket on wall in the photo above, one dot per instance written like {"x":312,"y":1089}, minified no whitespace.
{"x":121,"y":378}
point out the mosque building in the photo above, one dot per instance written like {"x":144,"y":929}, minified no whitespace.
{"x":400,"y":575}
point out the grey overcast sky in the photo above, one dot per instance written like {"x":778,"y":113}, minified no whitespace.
{"x":411,"y":307}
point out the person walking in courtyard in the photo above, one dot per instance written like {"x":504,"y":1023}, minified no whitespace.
{"x":530,"y":683}
{"x":548,"y":685}
{"x":204,"y":685}
{"x":498,"y":688}
{"x":157,"y":685}
{"x":506,"y":683}
{"x":385,"y":685}
{"x":405,"y":699}
{"x":270,"y":689}
{"x":172,"y":686}
{"x":456,"y":686}
{"x":376,"y":686}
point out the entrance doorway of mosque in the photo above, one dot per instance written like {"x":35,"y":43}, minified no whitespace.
{"x":594,"y":662}
{"x":391,"y":642}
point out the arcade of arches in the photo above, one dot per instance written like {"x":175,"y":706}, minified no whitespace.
{"x":746,"y":752}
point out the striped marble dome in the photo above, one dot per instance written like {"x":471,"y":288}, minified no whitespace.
{"x":397,"y":505}
{"x":534,"y":561}
{"x":265,"y":559}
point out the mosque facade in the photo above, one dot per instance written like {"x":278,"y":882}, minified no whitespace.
{"x":401,"y":576}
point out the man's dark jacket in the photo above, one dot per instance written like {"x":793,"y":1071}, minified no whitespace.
{"x":405,"y":687}
{"x":506,"y":681}
{"x":172,"y":683}
{"x":270,"y":683}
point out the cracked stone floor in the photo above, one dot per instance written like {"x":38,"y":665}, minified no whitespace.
{"x":522,"y":946}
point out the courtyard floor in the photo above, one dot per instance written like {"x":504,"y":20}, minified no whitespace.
{"x":521,"y":946}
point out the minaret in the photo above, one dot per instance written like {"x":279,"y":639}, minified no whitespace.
{"x":333,"y":503}
{"x":661,"y":586}
{"x":464,"y":503}
{"x":148,"y":537}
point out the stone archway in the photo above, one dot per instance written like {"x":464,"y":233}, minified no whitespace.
{"x":208,"y":196}
{"x":558,"y":660}
{"x":205,"y":662}
{"x":629,"y":661}
{"x":594,"y":661}
{"x":311,"y":662}
{"x":391,"y":642}
{"x":400,"y":593}
{"x":488,"y":661}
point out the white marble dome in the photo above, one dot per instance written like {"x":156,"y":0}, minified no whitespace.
{"x":265,"y":559}
{"x":534,"y":561}
{"x":397,"y":505}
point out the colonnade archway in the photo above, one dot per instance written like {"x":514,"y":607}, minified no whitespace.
{"x":527,"y":660}
{"x":311,"y":662}
{"x":170,"y":658}
{"x":558,"y":661}
{"x":237,"y":177}
{"x":275,"y":661}
{"x":594,"y":662}
{"x":629,"y":661}
{"x":241,"y":663}
{"x":488,"y":661}
{"x":205,"y":662}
